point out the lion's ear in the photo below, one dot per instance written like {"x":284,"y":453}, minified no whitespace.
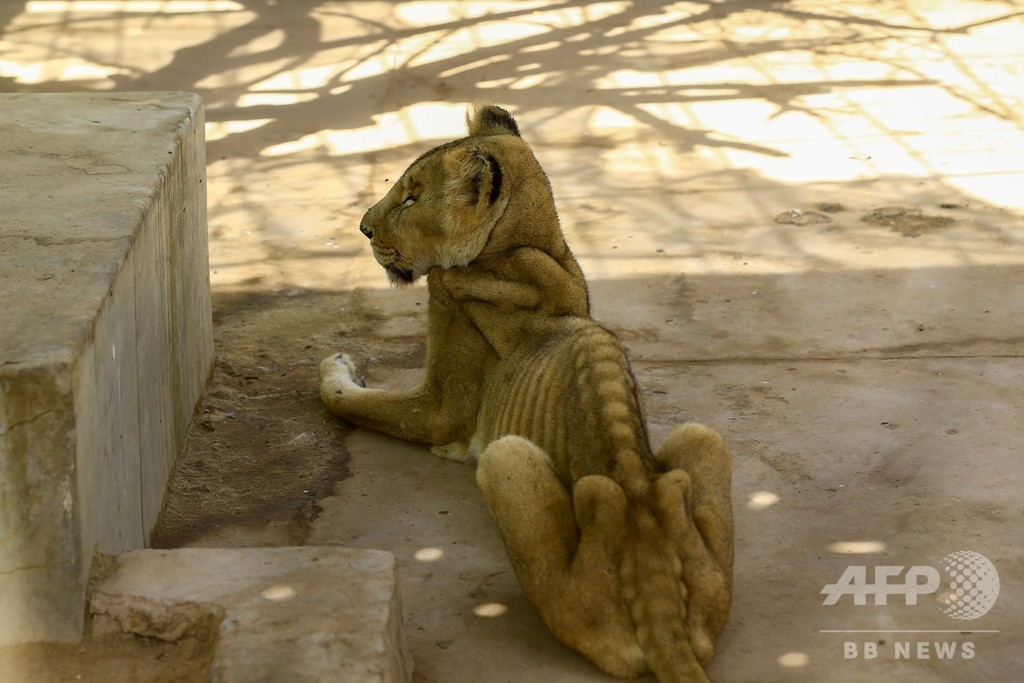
{"x":474,"y":177}
{"x":473,"y":198}
{"x":487,"y":119}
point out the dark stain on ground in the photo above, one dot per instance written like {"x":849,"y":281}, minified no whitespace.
{"x":905,"y":221}
{"x":263,"y":449}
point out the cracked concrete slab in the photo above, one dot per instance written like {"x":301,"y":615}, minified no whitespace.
{"x":299,"y":614}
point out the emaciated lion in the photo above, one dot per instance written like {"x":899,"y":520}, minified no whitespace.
{"x":627,"y":554}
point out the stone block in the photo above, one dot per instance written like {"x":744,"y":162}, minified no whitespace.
{"x":105,"y":334}
{"x":280,"y":614}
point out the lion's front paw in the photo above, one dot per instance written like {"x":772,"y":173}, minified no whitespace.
{"x":453,"y":451}
{"x":338,"y":371}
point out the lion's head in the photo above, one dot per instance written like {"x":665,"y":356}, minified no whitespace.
{"x":441,"y":212}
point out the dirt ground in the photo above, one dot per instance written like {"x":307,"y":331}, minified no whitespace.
{"x":802,"y":218}
{"x":262,"y":400}
{"x":123,"y":657}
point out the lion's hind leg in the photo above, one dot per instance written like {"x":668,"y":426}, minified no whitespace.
{"x":697,"y":483}
{"x":565,"y":550}
{"x":700,"y":452}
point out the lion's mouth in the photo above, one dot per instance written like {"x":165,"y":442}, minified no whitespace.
{"x":391,"y":261}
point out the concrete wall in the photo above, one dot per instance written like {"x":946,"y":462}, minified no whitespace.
{"x":105,"y":334}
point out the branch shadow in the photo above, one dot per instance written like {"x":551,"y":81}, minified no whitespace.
{"x":643,"y":38}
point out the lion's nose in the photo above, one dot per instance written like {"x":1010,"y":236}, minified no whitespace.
{"x":363,"y":228}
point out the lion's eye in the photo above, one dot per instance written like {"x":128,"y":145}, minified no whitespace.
{"x":410,"y":199}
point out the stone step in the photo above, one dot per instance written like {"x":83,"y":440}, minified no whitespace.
{"x":105,"y":334}
{"x":280,"y":614}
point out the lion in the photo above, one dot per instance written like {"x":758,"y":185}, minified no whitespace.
{"x":626,"y":553}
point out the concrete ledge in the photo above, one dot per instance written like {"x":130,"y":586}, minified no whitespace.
{"x":105,"y":335}
{"x":280,"y":614}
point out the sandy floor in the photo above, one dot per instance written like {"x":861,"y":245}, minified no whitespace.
{"x":803,"y":219}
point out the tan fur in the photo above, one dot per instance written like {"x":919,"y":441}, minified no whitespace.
{"x":626,"y":554}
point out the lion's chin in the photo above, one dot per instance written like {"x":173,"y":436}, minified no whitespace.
{"x":400,"y":277}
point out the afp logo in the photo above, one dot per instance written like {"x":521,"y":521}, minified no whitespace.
{"x":972,"y":581}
